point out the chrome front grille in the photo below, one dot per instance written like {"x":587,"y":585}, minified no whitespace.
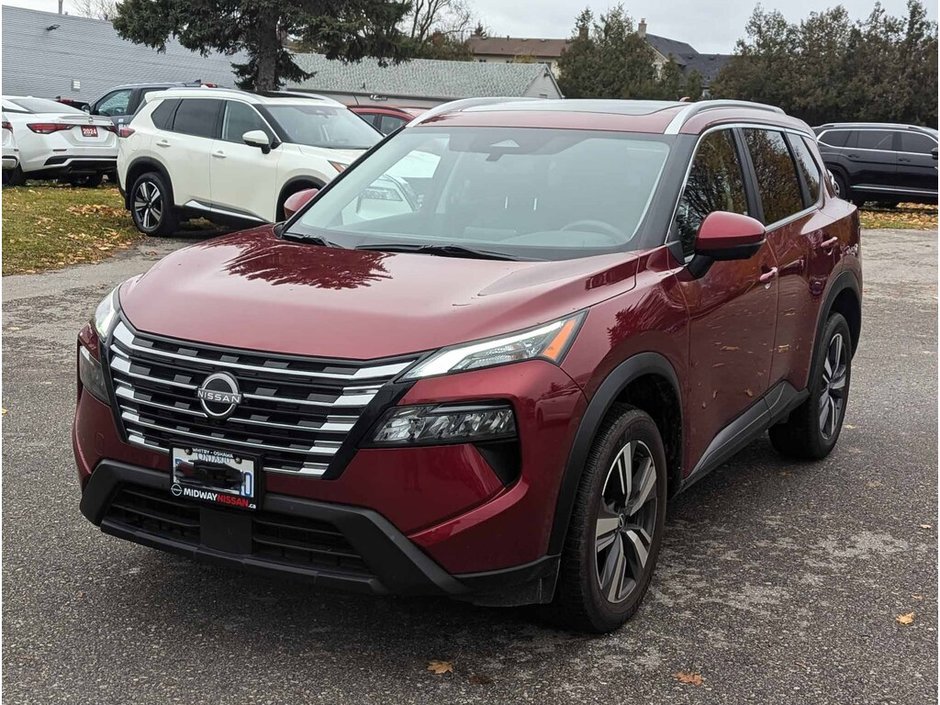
{"x":295,"y":412}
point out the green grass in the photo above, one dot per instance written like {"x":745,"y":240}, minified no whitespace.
{"x":52,"y":226}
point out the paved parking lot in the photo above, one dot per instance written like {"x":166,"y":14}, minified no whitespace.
{"x":778,"y":583}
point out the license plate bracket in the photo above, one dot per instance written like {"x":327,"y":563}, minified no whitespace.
{"x":215,"y":477}
{"x":89,"y":131}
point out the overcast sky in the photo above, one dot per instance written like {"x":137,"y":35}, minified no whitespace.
{"x":711,"y":26}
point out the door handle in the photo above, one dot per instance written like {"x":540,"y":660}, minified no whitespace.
{"x":830,"y":243}
{"x":219,"y":155}
{"x":768,"y":275}
{"x":164,"y":143}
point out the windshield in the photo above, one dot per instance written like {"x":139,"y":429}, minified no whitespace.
{"x":37,"y":105}
{"x":323,"y":126}
{"x":520,"y":192}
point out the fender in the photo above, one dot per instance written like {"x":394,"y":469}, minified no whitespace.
{"x":605,"y":396}
{"x":846,"y":279}
{"x":151,"y":165}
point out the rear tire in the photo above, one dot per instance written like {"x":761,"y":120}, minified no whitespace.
{"x":813,"y":428}
{"x":151,"y":205}
{"x":616,"y":526}
{"x":14,"y":177}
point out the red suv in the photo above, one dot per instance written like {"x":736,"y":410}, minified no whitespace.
{"x":479,"y":362}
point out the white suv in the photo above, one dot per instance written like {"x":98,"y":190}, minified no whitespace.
{"x":231,"y":156}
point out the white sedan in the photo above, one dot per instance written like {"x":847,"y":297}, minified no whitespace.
{"x":56,"y":141}
{"x":11,"y":155}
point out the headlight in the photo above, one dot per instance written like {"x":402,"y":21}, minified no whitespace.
{"x":417,"y":425}
{"x":549,"y":342}
{"x":91,"y":375}
{"x":106,"y":314}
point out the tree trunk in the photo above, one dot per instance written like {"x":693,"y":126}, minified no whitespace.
{"x":269,"y":45}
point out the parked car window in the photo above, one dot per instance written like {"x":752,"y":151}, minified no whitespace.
{"x":114,"y":103}
{"x":835,"y":138}
{"x":522,"y":192}
{"x":390,"y":123}
{"x":197,"y":117}
{"x":323,"y":126}
{"x":777,"y":181}
{"x":716,"y":183}
{"x":372,"y":119}
{"x":809,"y":170}
{"x":163,"y":113}
{"x":875,"y":139}
{"x":240,"y":118}
{"x":917,"y":143}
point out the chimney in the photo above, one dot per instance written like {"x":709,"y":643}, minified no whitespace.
{"x":583,"y":32}
{"x":641,"y":28}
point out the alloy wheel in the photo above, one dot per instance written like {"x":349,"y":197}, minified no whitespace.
{"x":148,"y":205}
{"x":626,"y":521}
{"x":832,"y":394}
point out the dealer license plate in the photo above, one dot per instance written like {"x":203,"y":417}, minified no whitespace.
{"x":214,"y":477}
{"x":89,"y":131}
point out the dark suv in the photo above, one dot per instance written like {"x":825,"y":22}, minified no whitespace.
{"x":881,"y":162}
{"x":478,"y":362}
{"x":121,"y":102}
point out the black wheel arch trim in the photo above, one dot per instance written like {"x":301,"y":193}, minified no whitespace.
{"x":846,"y":279}
{"x":150,"y":165}
{"x":599,"y":405}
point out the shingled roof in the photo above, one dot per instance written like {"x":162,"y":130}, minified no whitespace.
{"x":421,"y":78}
{"x":517,"y":46}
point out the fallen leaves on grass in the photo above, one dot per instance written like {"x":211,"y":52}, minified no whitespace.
{"x":907,"y":216}
{"x":905,"y":619}
{"x":439,"y":668}
{"x":689,"y":678}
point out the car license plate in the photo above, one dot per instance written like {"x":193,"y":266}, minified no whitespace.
{"x":215,"y":477}
{"x":89,"y":131}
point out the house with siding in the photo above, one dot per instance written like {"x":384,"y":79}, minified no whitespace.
{"x":50,"y":55}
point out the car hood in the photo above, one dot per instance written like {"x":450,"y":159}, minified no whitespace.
{"x":254,"y":290}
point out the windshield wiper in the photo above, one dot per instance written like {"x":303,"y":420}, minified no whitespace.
{"x":308,"y":238}
{"x":439,"y":250}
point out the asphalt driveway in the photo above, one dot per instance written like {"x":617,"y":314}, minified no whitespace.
{"x":778,"y":583}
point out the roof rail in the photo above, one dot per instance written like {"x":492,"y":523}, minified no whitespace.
{"x":465,"y":103}
{"x":701,"y":106}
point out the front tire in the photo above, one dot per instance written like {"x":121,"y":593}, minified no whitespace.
{"x":151,"y":202}
{"x":813,"y":428}
{"x":14,"y":176}
{"x":616,"y":526}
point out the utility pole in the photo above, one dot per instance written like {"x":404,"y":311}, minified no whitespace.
{"x":60,"y":6}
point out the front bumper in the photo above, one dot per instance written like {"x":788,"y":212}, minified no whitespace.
{"x":332,"y":545}
{"x":446,"y":503}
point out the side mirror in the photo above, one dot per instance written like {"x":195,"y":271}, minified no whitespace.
{"x":726,"y":236}
{"x":298,"y":200}
{"x":933,"y":153}
{"x":257,"y":138}
{"x":87,"y":109}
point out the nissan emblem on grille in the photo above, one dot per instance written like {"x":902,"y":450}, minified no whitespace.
{"x":219,"y":395}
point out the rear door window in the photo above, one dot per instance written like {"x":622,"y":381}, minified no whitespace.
{"x":390,"y":123}
{"x":881,"y":140}
{"x":835,"y":138}
{"x":197,"y":117}
{"x":715,"y":183}
{"x":777,"y":182}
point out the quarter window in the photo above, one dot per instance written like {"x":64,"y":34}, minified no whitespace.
{"x":917,"y":142}
{"x":716,"y":183}
{"x":197,"y":117}
{"x":808,"y":168}
{"x":239,"y":119}
{"x":875,"y":139}
{"x":777,"y":181}
{"x":162,"y":115}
